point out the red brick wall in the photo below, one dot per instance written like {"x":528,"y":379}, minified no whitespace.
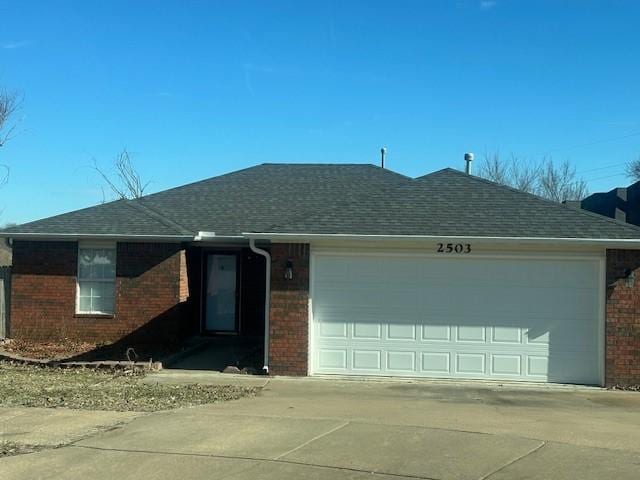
{"x":622,"y":366}
{"x":43,"y":290}
{"x":289,"y":310}
{"x":148,"y":294}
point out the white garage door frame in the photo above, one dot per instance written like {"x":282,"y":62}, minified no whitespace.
{"x":599,"y":256}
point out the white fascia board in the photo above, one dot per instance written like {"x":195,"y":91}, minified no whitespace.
{"x":203,"y":236}
{"x":97,"y":236}
{"x":309,"y":237}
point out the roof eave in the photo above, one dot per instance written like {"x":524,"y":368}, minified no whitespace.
{"x":95,"y":236}
{"x":631,"y":243}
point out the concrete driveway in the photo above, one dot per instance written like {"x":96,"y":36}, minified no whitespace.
{"x":313,"y":428}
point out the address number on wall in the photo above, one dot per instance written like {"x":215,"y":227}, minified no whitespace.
{"x":454,"y":248}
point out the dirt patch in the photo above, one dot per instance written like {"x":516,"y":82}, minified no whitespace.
{"x":32,"y":386}
{"x":47,"y":350}
{"x":72,"y":351}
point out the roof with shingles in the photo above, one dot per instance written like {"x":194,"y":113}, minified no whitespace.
{"x":451,"y":203}
{"x":336,"y":199}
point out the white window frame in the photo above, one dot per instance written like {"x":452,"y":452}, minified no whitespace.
{"x":88,"y":246}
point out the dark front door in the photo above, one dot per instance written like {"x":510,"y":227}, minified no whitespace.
{"x":221,"y":304}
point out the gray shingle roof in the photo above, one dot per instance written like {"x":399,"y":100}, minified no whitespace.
{"x":451,"y":203}
{"x":245,"y":200}
{"x":121,"y":217}
{"x":336,"y":199}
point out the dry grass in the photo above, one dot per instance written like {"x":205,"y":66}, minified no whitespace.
{"x":29,"y":386}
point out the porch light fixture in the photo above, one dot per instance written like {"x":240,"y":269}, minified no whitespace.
{"x":288,"y":270}
{"x":629,"y":278}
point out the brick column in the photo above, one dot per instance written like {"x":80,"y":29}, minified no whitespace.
{"x":623,"y":318}
{"x":289,"y":312}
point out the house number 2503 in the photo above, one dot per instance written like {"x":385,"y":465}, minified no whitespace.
{"x":454,"y":248}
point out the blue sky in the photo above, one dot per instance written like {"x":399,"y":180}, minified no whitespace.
{"x":194,"y":89}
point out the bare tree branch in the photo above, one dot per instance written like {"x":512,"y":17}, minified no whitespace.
{"x":126,"y":182}
{"x":544,"y":178}
{"x":9,"y":105}
{"x":524,"y":174}
{"x":560,"y":183}
{"x":494,"y":169}
{"x":632,"y":169}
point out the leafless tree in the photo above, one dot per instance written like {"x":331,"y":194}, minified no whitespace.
{"x":494,"y":168}
{"x":9,"y":104}
{"x":514,"y":172}
{"x":560,"y":182}
{"x":632,"y":169}
{"x":544,"y":178}
{"x":125,"y":182}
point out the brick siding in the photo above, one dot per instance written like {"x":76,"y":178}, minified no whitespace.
{"x":150,"y":294}
{"x":622,"y":364}
{"x":289,"y":315}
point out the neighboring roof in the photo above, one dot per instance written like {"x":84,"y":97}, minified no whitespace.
{"x":355,"y":199}
{"x":620,"y":203}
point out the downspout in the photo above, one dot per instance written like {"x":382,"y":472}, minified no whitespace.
{"x":267,"y":298}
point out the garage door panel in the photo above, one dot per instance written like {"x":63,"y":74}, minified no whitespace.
{"x":516,"y":319}
{"x":538,"y":336}
{"x":366,"y":330}
{"x":335,"y":359}
{"x":401,"y":331}
{"x":333,"y":330}
{"x":436,"y":333}
{"x":401,"y":361}
{"x":537,"y":365}
{"x":506,"y":365}
{"x":506,"y":335}
{"x":469,"y":333}
{"x":367,"y":360}
{"x":436,"y":362}
{"x":470,"y":363}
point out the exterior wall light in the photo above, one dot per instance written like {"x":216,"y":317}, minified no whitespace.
{"x":288,"y":270}
{"x":630,"y":278}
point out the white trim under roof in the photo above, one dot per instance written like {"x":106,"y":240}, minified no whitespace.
{"x":308,"y":237}
{"x":94,"y":236}
{"x":203,"y":236}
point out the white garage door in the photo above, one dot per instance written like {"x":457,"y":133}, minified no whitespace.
{"x":535,"y":319}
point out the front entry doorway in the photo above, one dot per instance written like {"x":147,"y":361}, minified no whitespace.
{"x":221,"y":294}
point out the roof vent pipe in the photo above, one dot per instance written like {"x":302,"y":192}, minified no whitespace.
{"x":383,"y":153}
{"x":468,"y":158}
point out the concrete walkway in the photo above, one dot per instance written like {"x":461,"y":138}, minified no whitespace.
{"x":312,"y":428}
{"x":52,"y":427}
{"x":214,"y":354}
